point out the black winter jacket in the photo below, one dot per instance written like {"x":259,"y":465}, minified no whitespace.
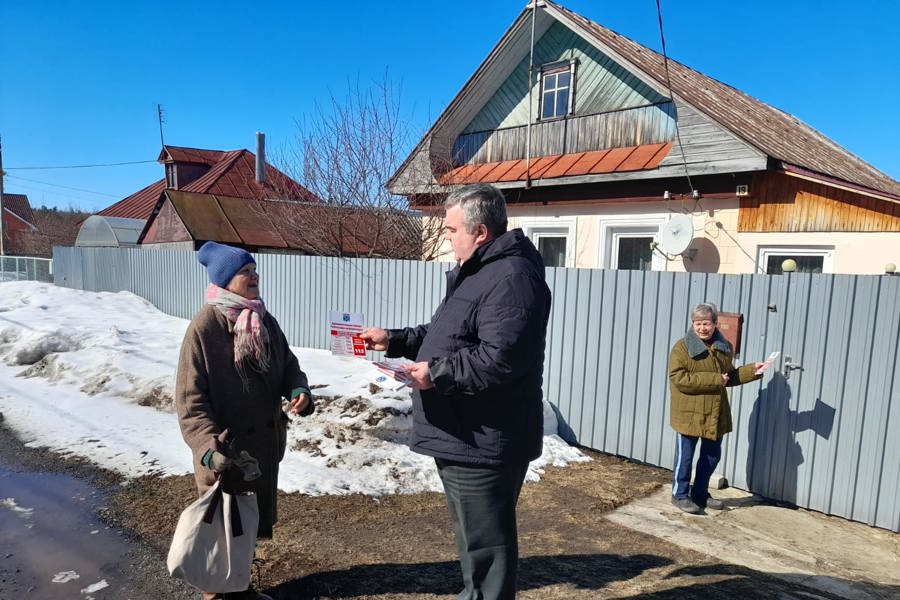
{"x":485,"y":353}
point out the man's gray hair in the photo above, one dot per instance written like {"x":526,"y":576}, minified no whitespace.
{"x":705,"y":310}
{"x":482,"y":204}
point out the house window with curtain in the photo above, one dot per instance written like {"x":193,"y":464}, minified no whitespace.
{"x":557,"y":90}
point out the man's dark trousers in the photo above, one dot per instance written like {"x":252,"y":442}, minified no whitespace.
{"x":482,"y":502}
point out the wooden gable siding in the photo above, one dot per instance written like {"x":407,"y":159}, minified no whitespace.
{"x":601,"y":84}
{"x":166,"y":227}
{"x":623,"y":128}
{"x":779,"y":202}
{"x":706,"y":143}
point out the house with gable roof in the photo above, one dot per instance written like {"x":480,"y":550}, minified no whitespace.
{"x":235,"y":197}
{"x":595,"y":155}
{"x":230,"y":173}
{"x":18,"y":220}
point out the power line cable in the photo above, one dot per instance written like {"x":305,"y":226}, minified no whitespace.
{"x":662,"y":38}
{"x":118,"y":164}
{"x":34,"y":189}
{"x":65,"y":187}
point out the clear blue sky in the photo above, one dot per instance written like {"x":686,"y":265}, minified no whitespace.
{"x":80,"y":81}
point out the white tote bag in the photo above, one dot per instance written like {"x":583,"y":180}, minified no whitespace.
{"x":213,"y":545}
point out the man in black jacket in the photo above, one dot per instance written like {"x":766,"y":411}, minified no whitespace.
{"x":477,"y":400}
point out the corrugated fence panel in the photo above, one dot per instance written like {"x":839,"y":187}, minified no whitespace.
{"x":886,"y":332}
{"x":887,"y":494}
{"x":850,"y":421}
{"x":64,"y":267}
{"x":172,"y":281}
{"x":824,"y":436}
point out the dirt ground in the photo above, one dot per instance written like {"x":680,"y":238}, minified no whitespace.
{"x":400,"y":547}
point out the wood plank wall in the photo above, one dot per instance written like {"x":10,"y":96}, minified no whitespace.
{"x":780,"y":202}
{"x":618,"y":129}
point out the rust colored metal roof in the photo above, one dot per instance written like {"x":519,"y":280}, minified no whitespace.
{"x":309,"y":227}
{"x":634,"y":158}
{"x":19,"y":205}
{"x":232,"y":173}
{"x":189,"y":155}
{"x":224,"y":219}
{"x":252,"y":223}
{"x":778,"y":134}
{"x":235,"y":175}
{"x":139,"y":205}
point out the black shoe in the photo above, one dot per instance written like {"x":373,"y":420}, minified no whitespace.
{"x":710,"y":502}
{"x":687,"y":505}
{"x":714,"y":503}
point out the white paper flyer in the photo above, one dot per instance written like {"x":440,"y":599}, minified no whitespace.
{"x":345,"y":328}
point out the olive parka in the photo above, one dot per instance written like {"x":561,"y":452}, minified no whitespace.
{"x":700,"y":405}
{"x":210,"y":397}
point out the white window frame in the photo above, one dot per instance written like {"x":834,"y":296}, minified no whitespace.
{"x":764,"y":252}
{"x":538,"y":228}
{"x":613,"y":228}
{"x":550,"y":69}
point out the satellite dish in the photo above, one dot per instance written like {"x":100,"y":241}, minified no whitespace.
{"x":676,"y":235}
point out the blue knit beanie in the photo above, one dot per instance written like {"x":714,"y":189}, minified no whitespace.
{"x":222,"y":262}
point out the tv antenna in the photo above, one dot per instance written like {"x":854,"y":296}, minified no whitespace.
{"x":161,"y":119}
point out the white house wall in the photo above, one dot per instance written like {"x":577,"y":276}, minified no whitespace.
{"x":720,"y":247}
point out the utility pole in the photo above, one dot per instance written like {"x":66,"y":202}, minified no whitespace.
{"x":2,"y":215}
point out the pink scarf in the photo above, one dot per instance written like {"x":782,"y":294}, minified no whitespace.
{"x":245,"y":320}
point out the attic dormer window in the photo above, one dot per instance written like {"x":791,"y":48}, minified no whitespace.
{"x":170,"y":176}
{"x":557,"y":89}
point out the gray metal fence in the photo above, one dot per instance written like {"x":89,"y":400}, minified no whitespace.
{"x":25,"y":268}
{"x":825,"y":435}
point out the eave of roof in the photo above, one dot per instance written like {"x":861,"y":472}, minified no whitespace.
{"x":18,"y":205}
{"x":612,"y":160}
{"x":139,"y":205}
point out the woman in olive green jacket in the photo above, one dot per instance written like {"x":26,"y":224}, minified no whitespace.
{"x":700,"y":369}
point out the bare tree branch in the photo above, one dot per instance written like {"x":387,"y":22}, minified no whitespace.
{"x":55,"y":227}
{"x":344,"y":154}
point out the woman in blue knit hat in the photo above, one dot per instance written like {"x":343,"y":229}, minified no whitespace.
{"x":234,"y":370}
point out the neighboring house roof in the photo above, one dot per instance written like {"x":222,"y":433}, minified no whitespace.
{"x":190,"y":155}
{"x":139,"y":205}
{"x":772,"y":132}
{"x":18,"y":205}
{"x":224,"y":219}
{"x":231,"y":173}
{"x":308,"y":227}
{"x":611,"y":160}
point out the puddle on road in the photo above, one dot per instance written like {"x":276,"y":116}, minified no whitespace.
{"x":49,"y":530}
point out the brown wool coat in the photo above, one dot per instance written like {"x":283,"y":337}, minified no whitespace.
{"x":209,"y":398}
{"x":700,"y":405}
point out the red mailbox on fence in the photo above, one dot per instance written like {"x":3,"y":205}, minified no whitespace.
{"x":730,"y":325}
